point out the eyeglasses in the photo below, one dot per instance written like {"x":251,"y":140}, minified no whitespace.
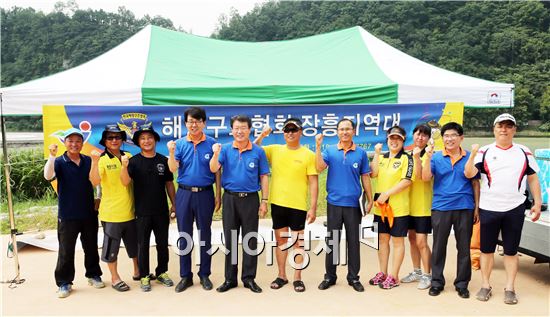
{"x":450,"y":136}
{"x":114,"y":137}
{"x":291,"y":130}
{"x":193,"y":122}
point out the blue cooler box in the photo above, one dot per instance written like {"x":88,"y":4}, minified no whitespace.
{"x":543,"y":160}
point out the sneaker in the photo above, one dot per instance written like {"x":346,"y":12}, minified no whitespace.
{"x":145,"y":284}
{"x":165,"y":280}
{"x":64,"y":290}
{"x":411,"y":277}
{"x":96,"y":282}
{"x":377,"y":279}
{"x":389,"y":283}
{"x":425,"y":281}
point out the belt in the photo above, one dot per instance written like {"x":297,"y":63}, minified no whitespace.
{"x":194,"y":189}
{"x":241,"y":195}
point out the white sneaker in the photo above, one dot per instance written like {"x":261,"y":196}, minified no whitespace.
{"x":64,"y":290}
{"x":411,"y":277}
{"x":96,"y":282}
{"x":425,"y":281}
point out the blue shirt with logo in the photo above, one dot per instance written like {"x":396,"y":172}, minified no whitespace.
{"x":241,"y":170}
{"x":344,"y":175}
{"x":194,"y":162}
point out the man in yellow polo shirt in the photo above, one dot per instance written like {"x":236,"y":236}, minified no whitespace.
{"x":116,"y":210}
{"x":293,"y":173}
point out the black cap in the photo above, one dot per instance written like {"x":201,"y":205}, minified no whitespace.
{"x":113,"y":128}
{"x":145,"y":128}
{"x":397,"y":130}
{"x":293,"y":121}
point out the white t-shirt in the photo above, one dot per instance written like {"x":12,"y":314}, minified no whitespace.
{"x":503,"y":175}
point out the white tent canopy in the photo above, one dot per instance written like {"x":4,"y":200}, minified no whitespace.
{"x":121,"y":76}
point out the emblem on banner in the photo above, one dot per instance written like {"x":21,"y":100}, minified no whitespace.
{"x":493,"y":98}
{"x":130,"y":122}
{"x":84,"y":126}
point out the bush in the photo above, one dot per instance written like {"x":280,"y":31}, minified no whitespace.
{"x":27,"y":175}
{"x":545,"y":127}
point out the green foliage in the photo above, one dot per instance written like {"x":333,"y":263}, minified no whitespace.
{"x":493,"y":40}
{"x":27,"y":175}
{"x":23,"y":123}
{"x":545,"y":127}
{"x":35,"y":44}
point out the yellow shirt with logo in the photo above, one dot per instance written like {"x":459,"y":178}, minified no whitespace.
{"x":117,"y":200}
{"x":289,"y":175}
{"x":390,"y":172}
{"x":421,"y":194}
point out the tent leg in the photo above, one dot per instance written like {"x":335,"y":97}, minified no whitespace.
{"x":12,"y":246}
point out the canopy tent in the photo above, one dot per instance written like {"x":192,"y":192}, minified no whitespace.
{"x":163,"y":67}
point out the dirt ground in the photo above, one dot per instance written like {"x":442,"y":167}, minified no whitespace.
{"x":37,"y":295}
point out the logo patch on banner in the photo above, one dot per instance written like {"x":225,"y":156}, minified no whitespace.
{"x":130,"y":123}
{"x":493,"y":98}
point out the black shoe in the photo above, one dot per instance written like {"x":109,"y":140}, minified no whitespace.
{"x":463,"y":292}
{"x":357,"y":286}
{"x":206,"y":283}
{"x":435,"y":290}
{"x":250,"y":284}
{"x":227,"y":285}
{"x":184,"y":284}
{"x":326,"y":283}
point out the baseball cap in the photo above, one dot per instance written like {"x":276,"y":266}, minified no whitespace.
{"x":73,"y":131}
{"x":292,"y":121}
{"x":397,"y":130}
{"x":504,"y":117}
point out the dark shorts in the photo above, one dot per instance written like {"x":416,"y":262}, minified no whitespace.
{"x":399,"y":229}
{"x":509,"y":223}
{"x":114,"y":232}
{"x":421,"y":224}
{"x":284,"y":217}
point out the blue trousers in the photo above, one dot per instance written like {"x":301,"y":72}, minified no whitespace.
{"x":198,"y":207}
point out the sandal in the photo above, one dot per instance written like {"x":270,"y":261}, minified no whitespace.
{"x":278,"y":283}
{"x":299,"y":286}
{"x":121,"y":286}
{"x":484,"y":294}
{"x":510,"y":297}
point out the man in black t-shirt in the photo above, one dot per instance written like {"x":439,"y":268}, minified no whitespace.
{"x":152,"y":179}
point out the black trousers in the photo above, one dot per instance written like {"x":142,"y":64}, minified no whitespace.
{"x":240,"y":215}
{"x":67,"y":233}
{"x":157,"y":224}
{"x":350,"y":217}
{"x":461,"y":221}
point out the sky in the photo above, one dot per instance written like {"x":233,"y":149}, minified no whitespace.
{"x":199,"y":17}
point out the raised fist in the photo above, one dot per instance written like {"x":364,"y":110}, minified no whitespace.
{"x":171,"y":145}
{"x":216,"y":147}
{"x":475,"y":148}
{"x":95,"y":155}
{"x":266,"y":131}
{"x":319,"y":139}
{"x":430,"y":150}
{"x":124,"y":160}
{"x":378,"y":148}
{"x":416,"y":151}
{"x":53,"y":149}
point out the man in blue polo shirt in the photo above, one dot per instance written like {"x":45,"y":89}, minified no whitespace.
{"x":245,"y":172}
{"x":348,"y":168}
{"x":195,"y":200}
{"x":455,"y":204}
{"x":76,"y":214}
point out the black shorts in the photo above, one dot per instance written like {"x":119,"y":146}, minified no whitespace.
{"x":421,"y":224}
{"x":284,"y":217}
{"x":113,"y":232}
{"x":509,"y":223}
{"x":399,"y":229}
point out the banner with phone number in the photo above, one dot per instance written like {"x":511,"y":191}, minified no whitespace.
{"x":372,"y":121}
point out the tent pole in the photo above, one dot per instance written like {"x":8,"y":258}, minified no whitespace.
{"x":12,"y":246}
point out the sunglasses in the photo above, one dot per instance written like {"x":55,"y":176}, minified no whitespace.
{"x":114,"y":137}
{"x":289,"y":130}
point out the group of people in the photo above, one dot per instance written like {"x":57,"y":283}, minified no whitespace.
{"x":413,"y":193}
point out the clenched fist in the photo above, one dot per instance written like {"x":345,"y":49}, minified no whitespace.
{"x":171,"y":145}
{"x":53,"y":150}
{"x":378,"y":148}
{"x":319,"y":139}
{"x":95,"y":155}
{"x":124,"y":160}
{"x":216,"y":147}
{"x":266,"y":131}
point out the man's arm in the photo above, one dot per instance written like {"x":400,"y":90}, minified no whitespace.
{"x":173,"y":165}
{"x":171,"y":190}
{"x":534,"y":186}
{"x":95,"y":178}
{"x":313,"y":185}
{"x":475,"y":186}
{"x":367,"y":188}
{"x":218,"y":198}
{"x":49,"y":168}
{"x":469,"y":169}
{"x":125,"y":178}
{"x":320,"y":164}
{"x":214,"y":161}
{"x":417,"y":167}
{"x":427,"y":166}
{"x":264,"y":184}
{"x":375,"y":160}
